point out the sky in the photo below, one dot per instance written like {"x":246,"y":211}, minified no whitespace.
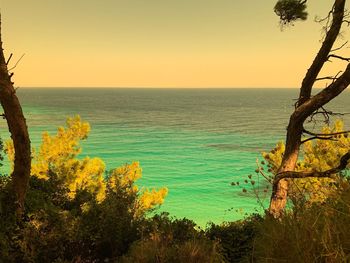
{"x":158,"y":43}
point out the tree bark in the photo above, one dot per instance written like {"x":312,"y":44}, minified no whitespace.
{"x":306,"y":106}
{"x":19,"y":134}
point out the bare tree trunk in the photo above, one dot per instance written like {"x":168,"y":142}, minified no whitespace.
{"x":306,"y":106}
{"x":19,"y":134}
{"x":289,"y":160}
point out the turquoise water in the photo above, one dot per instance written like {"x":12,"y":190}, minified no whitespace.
{"x":194,"y":141}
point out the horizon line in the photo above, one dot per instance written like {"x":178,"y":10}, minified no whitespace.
{"x":147,"y":87}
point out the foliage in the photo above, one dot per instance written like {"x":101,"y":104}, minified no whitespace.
{"x":58,"y":155}
{"x":317,"y":233}
{"x":290,"y":11}
{"x":317,"y":155}
{"x":173,"y":240}
{"x":236,"y":238}
{"x":160,"y":250}
{"x":74,"y":212}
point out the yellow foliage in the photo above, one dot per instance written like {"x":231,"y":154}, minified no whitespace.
{"x":58,"y":155}
{"x":126,"y":176}
{"x":274,"y":157}
{"x":316,"y":155}
{"x":150,"y":199}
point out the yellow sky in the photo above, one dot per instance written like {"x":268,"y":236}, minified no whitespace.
{"x":157,"y":43}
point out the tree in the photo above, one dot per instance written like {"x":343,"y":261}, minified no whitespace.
{"x":308,"y":105}
{"x":316,"y":156}
{"x":58,"y":156}
{"x":76,"y":211}
{"x":19,"y":133}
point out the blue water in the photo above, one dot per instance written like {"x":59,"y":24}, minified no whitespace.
{"x":194,"y":141}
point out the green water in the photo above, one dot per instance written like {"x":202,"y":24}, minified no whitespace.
{"x":194,"y":141}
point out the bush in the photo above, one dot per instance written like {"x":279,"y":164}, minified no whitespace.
{"x":158,"y":250}
{"x":74,"y":210}
{"x":168,"y":240}
{"x":316,"y":233}
{"x":236,"y":238}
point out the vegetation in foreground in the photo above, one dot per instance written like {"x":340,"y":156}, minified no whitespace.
{"x":78,"y":212}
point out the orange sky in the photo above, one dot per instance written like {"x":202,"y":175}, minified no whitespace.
{"x":157,"y":43}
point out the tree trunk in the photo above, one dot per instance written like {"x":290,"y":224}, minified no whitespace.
{"x":289,"y":160}
{"x":306,"y":105}
{"x":19,"y":134}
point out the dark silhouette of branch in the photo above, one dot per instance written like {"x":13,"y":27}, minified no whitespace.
{"x":16,"y":63}
{"x":322,"y":55}
{"x":338,"y":57}
{"x":8,"y":60}
{"x":325,"y":113}
{"x":325,"y":134}
{"x":326,"y":78}
{"x":330,"y":138}
{"x":299,"y":175}
{"x":338,"y":48}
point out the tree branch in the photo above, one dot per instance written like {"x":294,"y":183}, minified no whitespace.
{"x":326,"y":134}
{"x":16,"y":63}
{"x":8,"y":60}
{"x":299,"y":175}
{"x":322,"y":55}
{"x":319,"y":138}
{"x":338,"y":57}
{"x":338,"y":48}
{"x":262,"y":173}
{"x":326,"y":78}
{"x":323,"y":97}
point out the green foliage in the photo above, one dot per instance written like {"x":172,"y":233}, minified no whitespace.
{"x":290,"y":11}
{"x":77,"y":213}
{"x":60,"y":228}
{"x":173,"y":240}
{"x":73,"y":212}
{"x":179,"y":230}
{"x":236,"y":238}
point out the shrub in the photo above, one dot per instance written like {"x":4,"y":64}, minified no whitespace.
{"x":236,"y":238}
{"x":316,"y":233}
{"x":75,"y":212}
{"x":167,"y":240}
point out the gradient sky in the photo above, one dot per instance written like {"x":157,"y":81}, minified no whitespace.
{"x":157,"y":43}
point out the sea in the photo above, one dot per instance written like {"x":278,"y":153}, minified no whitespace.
{"x":196,"y":142}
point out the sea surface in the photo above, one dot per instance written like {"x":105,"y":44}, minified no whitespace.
{"x":193,"y":141}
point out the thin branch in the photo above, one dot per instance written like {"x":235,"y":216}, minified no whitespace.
{"x":262,"y":173}
{"x":8,"y":60}
{"x":326,"y":174}
{"x":326,"y":78}
{"x":325,"y":134}
{"x":338,"y":57}
{"x":16,"y":63}
{"x":330,"y":138}
{"x":338,"y":48}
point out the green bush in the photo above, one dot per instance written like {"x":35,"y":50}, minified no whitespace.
{"x":236,"y":238}
{"x":168,"y":240}
{"x":74,"y":210}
